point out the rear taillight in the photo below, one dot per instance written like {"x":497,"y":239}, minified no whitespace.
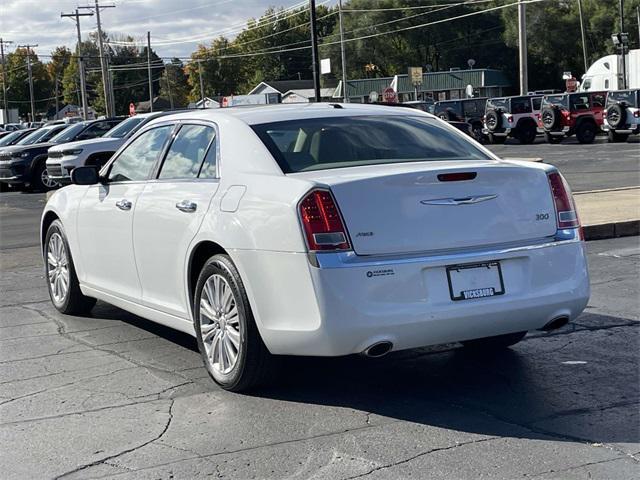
{"x":509,"y":119}
{"x":636,"y":114}
{"x":566,"y":214}
{"x":322,"y":223}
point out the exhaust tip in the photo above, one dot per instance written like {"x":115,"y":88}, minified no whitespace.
{"x":378,"y":349}
{"x":556,"y":323}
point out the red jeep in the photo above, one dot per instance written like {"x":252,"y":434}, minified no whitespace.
{"x":566,"y":114}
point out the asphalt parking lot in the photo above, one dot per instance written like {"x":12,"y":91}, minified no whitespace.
{"x":113,"y":395}
{"x":596,"y":166}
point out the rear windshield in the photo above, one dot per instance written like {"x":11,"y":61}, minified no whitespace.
{"x":630,"y":97}
{"x":560,"y":100}
{"x":495,"y":103}
{"x":326,"y":143}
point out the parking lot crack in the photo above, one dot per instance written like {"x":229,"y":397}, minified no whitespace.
{"x":123,"y":452}
{"x":574,"y":467}
{"x":421,"y":454}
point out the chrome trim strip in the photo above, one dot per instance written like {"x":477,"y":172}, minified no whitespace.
{"x":459,"y":201}
{"x":349,"y":259}
{"x":15,"y":177}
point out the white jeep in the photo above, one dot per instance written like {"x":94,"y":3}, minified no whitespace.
{"x":622,"y":115}
{"x":512,"y":117}
{"x":96,"y":151}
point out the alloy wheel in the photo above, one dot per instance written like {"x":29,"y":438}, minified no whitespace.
{"x":220,"y":324}
{"x":57,"y":268}
{"x":46,"y":181}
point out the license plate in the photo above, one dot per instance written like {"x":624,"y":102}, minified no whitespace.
{"x":477,"y":280}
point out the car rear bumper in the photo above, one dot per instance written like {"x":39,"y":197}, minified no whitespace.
{"x":348,"y":302}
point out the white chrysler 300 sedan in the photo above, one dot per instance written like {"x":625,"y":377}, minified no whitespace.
{"x":322,"y":229}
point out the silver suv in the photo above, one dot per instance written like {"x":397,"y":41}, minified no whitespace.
{"x":512,"y":117}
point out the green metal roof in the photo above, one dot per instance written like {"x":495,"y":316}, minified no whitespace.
{"x":433,"y":81}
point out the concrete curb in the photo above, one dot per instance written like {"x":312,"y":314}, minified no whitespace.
{"x":611,"y":230}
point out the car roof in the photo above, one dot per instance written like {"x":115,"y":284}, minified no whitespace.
{"x":253,"y":115}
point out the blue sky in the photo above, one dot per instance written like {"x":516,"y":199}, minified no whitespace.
{"x":39,"y":22}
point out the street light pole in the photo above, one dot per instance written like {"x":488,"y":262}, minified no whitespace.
{"x":201,"y":83}
{"x":83,"y":84}
{"x":314,"y":50}
{"x":522,"y":47}
{"x":345,"y":97}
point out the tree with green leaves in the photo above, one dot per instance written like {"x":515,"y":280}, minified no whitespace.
{"x":18,"y":82}
{"x":174,"y":86}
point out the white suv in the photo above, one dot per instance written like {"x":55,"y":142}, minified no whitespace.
{"x":96,"y":151}
{"x":512,"y":116}
{"x":622,"y":116}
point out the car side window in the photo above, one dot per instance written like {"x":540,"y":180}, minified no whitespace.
{"x":96,"y":130}
{"x":520,"y":105}
{"x":137,"y":159}
{"x":597,"y":100}
{"x":208,"y":169}
{"x":536,"y":103}
{"x":187,"y":152}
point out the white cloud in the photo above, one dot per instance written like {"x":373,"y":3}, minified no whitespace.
{"x":39,"y":22}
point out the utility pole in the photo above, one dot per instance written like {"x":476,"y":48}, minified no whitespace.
{"x":624,"y":56}
{"x":4,"y":75}
{"x":33,"y":103}
{"x":201,"y":82}
{"x":83,"y":85}
{"x":584,"y":41}
{"x":103,"y":60}
{"x":166,"y":70}
{"x":345,"y":97}
{"x":522,"y":46}
{"x":149,"y":71}
{"x":314,"y":50}
{"x":637,"y":15}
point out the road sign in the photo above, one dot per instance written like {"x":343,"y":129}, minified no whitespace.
{"x":571,"y":84}
{"x":415,"y":74}
{"x":373,"y":96}
{"x":469,"y":91}
{"x":132,"y":109}
{"x":325,"y":66}
{"x":389,"y":95}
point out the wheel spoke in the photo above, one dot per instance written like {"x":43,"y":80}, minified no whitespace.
{"x":52,"y":259}
{"x":227,"y":298}
{"x":206,"y":310}
{"x":234,"y":337}
{"x":232,"y":316}
{"x":208,"y":290}
{"x":208,"y":331}
{"x":221,"y":364}
{"x":215,"y":346}
{"x":229,"y":351}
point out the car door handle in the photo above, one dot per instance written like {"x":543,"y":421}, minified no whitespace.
{"x":186,"y":206}
{"x":123,"y":204}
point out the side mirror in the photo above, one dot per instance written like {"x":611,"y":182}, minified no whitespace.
{"x":85,"y":175}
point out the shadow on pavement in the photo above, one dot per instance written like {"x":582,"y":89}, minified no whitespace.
{"x":579,"y":383}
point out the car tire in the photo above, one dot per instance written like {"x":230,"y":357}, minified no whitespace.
{"x":494,"y":343}
{"x":617,"y":115}
{"x":221,"y":305}
{"x":40,"y":180}
{"x":613,"y":137}
{"x":527,"y":134}
{"x":60,"y":272}
{"x":586,"y":132}
{"x":554,"y":139}
{"x":497,"y":139}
